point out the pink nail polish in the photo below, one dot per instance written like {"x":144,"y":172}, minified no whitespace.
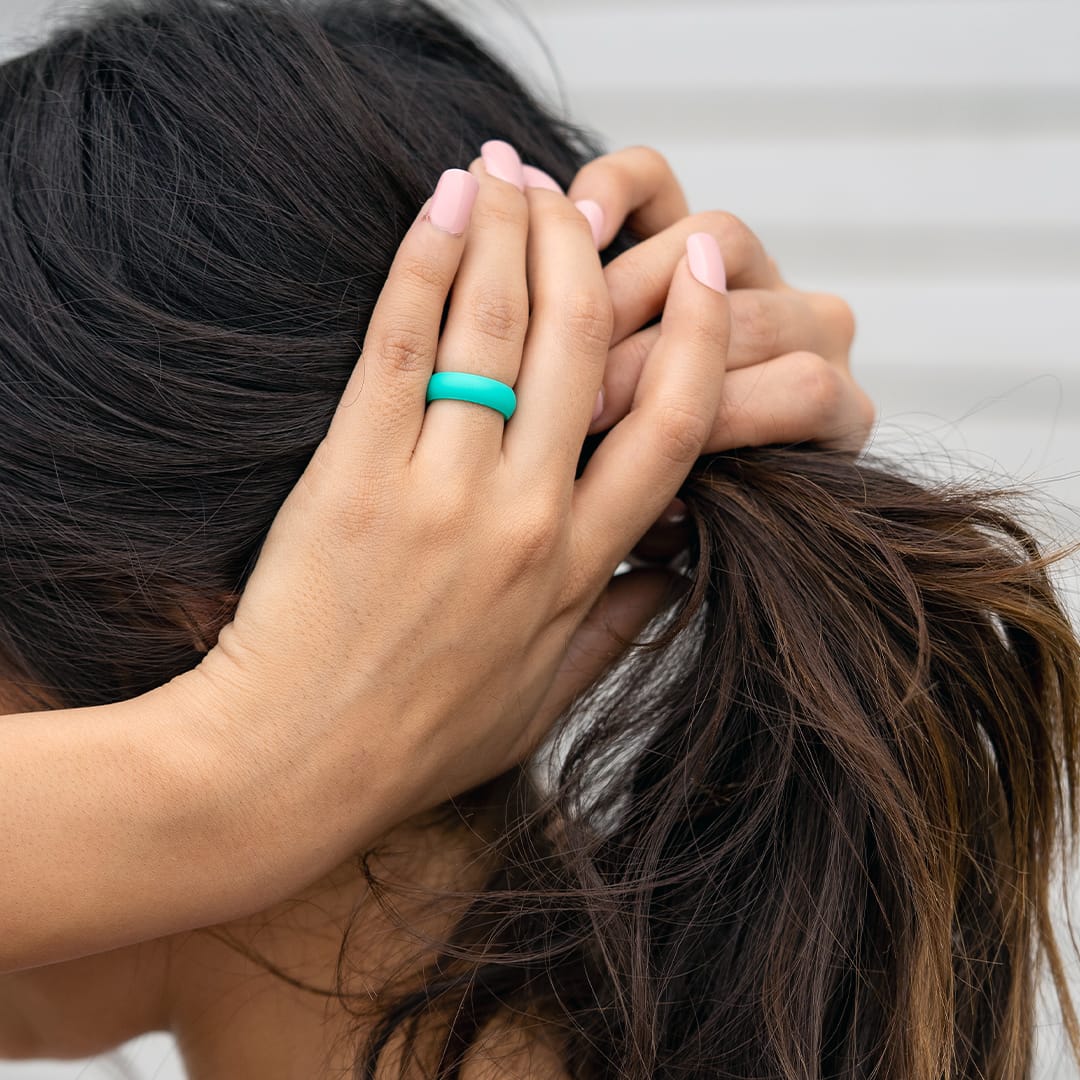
{"x":706,"y":262}
{"x":452,"y":203}
{"x":535,"y":177}
{"x":594,"y":214}
{"x":501,"y":161}
{"x":598,"y":408}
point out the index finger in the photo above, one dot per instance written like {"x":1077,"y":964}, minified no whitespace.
{"x":639,"y":466}
{"x":635,"y":186}
{"x":385,"y":396}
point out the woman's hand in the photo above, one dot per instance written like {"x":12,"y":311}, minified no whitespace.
{"x":789,"y":364}
{"x":430,"y":595}
{"x":451,"y":556}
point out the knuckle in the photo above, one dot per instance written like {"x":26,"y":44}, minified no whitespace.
{"x":866,"y":410}
{"x":560,"y":214}
{"x":608,"y":173}
{"x":588,"y":317}
{"x":821,"y":385}
{"x":496,"y":314}
{"x":714,"y":221}
{"x":680,"y":433}
{"x":652,"y":159}
{"x":737,"y":240}
{"x":427,"y":272}
{"x":838,"y":316}
{"x":504,"y":207}
{"x":724,"y":225}
{"x":622,"y":169}
{"x":534,"y":533}
{"x":404,"y":349}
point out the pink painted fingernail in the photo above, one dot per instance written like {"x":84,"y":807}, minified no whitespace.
{"x":535,"y":177}
{"x":452,"y":203}
{"x":598,"y":408}
{"x":594,"y":214}
{"x":501,"y":161}
{"x":706,"y":262}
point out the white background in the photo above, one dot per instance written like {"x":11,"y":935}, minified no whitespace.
{"x":919,"y":157}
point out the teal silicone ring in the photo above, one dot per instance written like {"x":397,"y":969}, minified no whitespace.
{"x":462,"y":386}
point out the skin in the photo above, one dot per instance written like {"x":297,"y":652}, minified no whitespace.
{"x":233,"y":1019}
{"x":788,"y":372}
{"x":237,"y":782}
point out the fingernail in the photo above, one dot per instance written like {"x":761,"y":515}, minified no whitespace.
{"x":706,"y":262}
{"x":594,"y":214}
{"x":501,"y":161}
{"x":598,"y":408}
{"x":452,"y":203}
{"x":535,"y":177}
{"x":675,"y":514}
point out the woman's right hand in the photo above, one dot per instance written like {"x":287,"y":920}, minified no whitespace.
{"x":439,"y":560}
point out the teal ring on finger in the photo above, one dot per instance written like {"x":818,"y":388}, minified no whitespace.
{"x":463,"y":386}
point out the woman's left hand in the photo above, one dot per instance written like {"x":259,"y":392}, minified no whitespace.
{"x":788,"y":374}
{"x":787,"y":377}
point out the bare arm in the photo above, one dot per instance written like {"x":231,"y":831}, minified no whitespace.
{"x":128,"y":821}
{"x":399,"y":641}
{"x":236,"y":783}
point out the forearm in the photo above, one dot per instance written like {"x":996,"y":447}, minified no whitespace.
{"x":127,"y":822}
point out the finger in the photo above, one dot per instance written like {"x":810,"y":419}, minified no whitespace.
{"x":488,"y":316}
{"x":593,"y":211}
{"x":765,"y":324}
{"x":638,"y":279}
{"x":382,"y":408}
{"x":635,"y":186}
{"x":567,"y":343}
{"x":624,"y":609}
{"x":640,"y":464}
{"x":535,"y":177}
{"x":791,"y":399}
{"x":800,"y":397}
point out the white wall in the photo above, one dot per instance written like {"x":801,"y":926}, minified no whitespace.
{"x":920,"y":157}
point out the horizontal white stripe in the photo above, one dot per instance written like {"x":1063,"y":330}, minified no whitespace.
{"x":805,"y":44}
{"x":909,"y":252}
{"x":762,"y":111}
{"x":959,"y":182}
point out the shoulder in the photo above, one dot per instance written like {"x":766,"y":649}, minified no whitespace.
{"x":83,"y":1007}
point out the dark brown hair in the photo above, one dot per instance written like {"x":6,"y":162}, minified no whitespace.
{"x":806,"y":832}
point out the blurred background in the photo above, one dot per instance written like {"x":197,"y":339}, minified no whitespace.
{"x":919,"y":157}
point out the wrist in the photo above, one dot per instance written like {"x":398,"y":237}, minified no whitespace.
{"x":214,"y":807}
{"x":282,"y":786}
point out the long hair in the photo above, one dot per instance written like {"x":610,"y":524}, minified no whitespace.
{"x":806,"y":831}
